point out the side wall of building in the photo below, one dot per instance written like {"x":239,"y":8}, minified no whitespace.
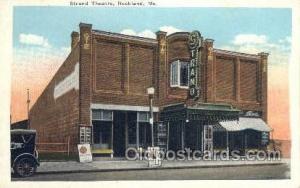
{"x":56,"y":112}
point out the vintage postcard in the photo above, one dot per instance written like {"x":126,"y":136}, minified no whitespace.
{"x":110,"y":91}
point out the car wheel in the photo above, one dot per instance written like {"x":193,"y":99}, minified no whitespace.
{"x":25,"y":167}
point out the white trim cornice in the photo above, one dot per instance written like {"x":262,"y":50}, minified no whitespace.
{"x":122,"y":107}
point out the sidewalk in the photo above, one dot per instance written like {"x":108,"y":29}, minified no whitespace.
{"x":121,"y":165}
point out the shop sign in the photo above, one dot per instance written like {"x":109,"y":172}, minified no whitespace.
{"x":160,"y":135}
{"x":194,"y":45}
{"x":85,"y":134}
{"x":250,"y":114}
{"x":85,"y":154}
{"x":68,"y":83}
{"x":264,"y":138}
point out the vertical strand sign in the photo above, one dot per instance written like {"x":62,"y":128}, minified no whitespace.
{"x":195,"y":42}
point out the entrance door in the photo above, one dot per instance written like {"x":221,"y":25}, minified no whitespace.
{"x":119,"y":134}
{"x":174,"y":136}
{"x":207,"y":138}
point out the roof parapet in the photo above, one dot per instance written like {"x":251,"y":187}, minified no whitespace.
{"x":240,"y":54}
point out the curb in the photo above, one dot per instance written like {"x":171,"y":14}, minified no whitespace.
{"x":157,"y":168}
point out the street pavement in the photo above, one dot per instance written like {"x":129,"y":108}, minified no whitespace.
{"x":125,"y":165}
{"x":246,"y":172}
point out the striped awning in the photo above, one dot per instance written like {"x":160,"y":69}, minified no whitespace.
{"x":246,"y":123}
{"x":218,"y":128}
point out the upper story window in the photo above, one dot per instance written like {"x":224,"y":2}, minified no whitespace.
{"x":179,"y":74}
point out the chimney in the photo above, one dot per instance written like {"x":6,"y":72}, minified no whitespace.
{"x":74,"y":39}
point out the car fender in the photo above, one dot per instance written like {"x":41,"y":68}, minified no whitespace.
{"x":23,"y":155}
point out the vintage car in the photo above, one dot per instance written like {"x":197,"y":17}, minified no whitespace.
{"x":24,"y":157}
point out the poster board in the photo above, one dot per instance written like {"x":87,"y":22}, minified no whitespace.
{"x":154,"y":159}
{"x":85,"y":154}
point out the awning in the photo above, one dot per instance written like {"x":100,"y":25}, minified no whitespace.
{"x":218,"y":128}
{"x":246,"y":123}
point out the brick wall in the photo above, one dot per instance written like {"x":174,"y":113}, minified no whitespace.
{"x":237,"y":79}
{"x":237,"y":83}
{"x":57,"y":119}
{"x":141,"y":68}
{"x":225,"y":78}
{"x":177,"y":49}
{"x":108,"y":66}
{"x":249,"y":80}
{"x":123,"y":69}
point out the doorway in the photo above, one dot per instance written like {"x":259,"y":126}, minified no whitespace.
{"x":119,"y":133}
{"x":175,"y":135}
{"x":207,"y":139}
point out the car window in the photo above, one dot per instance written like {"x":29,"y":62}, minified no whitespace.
{"x":17,"y":139}
{"x":28,"y":138}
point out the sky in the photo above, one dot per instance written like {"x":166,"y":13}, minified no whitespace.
{"x":41,"y":42}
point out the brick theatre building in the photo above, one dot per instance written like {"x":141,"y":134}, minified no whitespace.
{"x":204,"y":98}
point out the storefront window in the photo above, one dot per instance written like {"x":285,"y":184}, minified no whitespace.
{"x":144,"y":129}
{"x":102,"y":134}
{"x":143,"y":116}
{"x":96,"y":114}
{"x":107,"y":115}
{"x":102,"y":129}
{"x":144,"y":134}
{"x":103,"y":115}
{"x":253,"y":139}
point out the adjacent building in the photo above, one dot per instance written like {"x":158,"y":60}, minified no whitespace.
{"x":20,"y":124}
{"x":204,"y":98}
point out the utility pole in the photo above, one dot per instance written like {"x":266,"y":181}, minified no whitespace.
{"x":10,"y":116}
{"x":28,"y":103}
